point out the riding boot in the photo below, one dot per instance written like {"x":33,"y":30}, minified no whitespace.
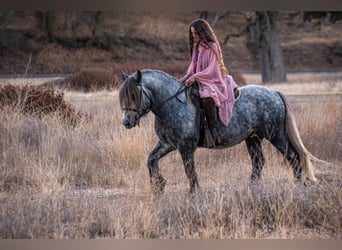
{"x":210,"y":112}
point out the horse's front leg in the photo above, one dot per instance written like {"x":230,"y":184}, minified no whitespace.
{"x":189,"y":166}
{"x":157,"y":181}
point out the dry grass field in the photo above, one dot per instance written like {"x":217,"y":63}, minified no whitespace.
{"x":91,"y":180}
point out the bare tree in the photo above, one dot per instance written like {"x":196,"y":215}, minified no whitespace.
{"x":329,"y":16}
{"x":93,"y":19}
{"x":251,"y":30}
{"x":218,"y":16}
{"x":45,"y":22}
{"x":271,"y":55}
{"x":71,"y":20}
{"x":262,"y":34}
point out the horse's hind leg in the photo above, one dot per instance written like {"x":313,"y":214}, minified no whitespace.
{"x":157,"y":181}
{"x":253,"y":143}
{"x":285,"y":147}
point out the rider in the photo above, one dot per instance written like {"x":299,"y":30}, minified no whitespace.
{"x":207,"y":69}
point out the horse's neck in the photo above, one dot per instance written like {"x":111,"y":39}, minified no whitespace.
{"x":160,"y":89}
{"x":160,"y":84}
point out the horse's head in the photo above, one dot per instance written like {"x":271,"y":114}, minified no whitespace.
{"x":130,"y":99}
{"x":145,"y":91}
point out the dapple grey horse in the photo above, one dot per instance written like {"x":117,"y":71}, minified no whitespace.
{"x":259,"y":113}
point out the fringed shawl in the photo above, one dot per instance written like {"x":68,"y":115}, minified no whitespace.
{"x":211,"y":83}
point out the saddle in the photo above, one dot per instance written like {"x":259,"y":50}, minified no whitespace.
{"x":205,"y":139}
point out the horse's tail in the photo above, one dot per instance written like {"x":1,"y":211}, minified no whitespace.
{"x":305,"y":157}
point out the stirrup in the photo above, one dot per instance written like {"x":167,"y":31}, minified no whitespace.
{"x":236,"y":93}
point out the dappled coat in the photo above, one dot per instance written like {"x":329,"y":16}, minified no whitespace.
{"x":211,"y":84}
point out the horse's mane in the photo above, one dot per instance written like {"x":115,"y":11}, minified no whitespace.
{"x":160,"y":72}
{"x":129,"y":94}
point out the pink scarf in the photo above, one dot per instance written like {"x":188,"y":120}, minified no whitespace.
{"x":211,"y":83}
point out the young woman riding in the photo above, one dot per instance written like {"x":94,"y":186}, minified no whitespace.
{"x":207,"y":69}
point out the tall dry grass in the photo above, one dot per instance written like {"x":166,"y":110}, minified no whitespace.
{"x":91,"y":181}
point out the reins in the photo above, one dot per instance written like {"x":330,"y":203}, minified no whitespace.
{"x":143,"y":91}
{"x":179,"y":91}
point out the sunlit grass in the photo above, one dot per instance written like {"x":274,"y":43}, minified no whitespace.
{"x":91,"y":180}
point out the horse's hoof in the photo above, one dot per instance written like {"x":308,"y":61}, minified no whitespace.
{"x":255,"y":179}
{"x":310,"y":182}
{"x":158,"y":185}
{"x":194,"y":190}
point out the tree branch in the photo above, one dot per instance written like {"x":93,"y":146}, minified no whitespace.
{"x":241,"y":33}
{"x":219,"y":15}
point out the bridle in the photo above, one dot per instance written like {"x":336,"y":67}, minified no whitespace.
{"x":143,"y":112}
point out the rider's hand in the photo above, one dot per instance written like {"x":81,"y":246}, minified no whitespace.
{"x":190,"y":80}
{"x":182,"y":79}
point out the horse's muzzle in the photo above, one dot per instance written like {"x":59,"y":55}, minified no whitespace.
{"x":130,"y":121}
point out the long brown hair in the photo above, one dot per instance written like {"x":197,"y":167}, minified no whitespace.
{"x":206,"y":36}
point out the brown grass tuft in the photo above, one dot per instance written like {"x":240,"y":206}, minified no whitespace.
{"x":37,"y":100}
{"x":89,"y":79}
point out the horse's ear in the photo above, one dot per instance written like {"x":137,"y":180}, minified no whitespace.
{"x":138,"y":76}
{"x":124,"y":75}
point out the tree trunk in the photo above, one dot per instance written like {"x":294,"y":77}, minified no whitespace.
{"x":272,"y":63}
{"x":46,"y":20}
{"x":71,"y":21}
